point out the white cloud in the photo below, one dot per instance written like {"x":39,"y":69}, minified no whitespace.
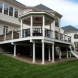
{"x":69,"y":10}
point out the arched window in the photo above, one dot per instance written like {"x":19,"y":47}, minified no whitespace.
{"x":75,"y":36}
{"x":56,"y":22}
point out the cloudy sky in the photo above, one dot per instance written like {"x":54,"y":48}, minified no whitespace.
{"x":68,"y":8}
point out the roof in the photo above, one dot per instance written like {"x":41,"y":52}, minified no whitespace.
{"x":69,"y":28}
{"x":43,"y":7}
{"x":19,"y":2}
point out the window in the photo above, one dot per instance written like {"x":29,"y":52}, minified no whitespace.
{"x":5,"y":29}
{"x":76,"y":36}
{"x":16,"y":13}
{"x":6,"y":9}
{"x":56,"y":23}
{"x":11,"y":11}
{"x":1,"y":5}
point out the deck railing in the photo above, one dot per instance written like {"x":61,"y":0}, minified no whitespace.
{"x":36,"y":32}
{"x":62,"y":37}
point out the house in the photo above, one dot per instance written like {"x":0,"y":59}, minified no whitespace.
{"x":73,"y":32}
{"x":31,"y":30}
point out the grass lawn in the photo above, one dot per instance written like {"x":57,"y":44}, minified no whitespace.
{"x":11,"y":68}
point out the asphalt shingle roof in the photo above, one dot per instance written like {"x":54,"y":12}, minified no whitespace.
{"x":69,"y":28}
{"x":43,"y":7}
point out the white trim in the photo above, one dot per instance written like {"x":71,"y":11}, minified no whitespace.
{"x":35,"y":13}
{"x":44,"y":39}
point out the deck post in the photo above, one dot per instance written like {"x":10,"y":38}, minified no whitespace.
{"x":21,"y":27}
{"x":49,"y":54}
{"x":31,"y":20}
{"x":5,"y":35}
{"x":67,"y":53}
{"x":53,"y":28}
{"x":14,"y":50}
{"x":43,"y":26}
{"x":43,"y":54}
{"x":60,"y":53}
{"x":52,"y":52}
{"x":33,"y":52}
{"x":12,"y":35}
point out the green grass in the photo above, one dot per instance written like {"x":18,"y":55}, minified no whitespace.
{"x":11,"y":68}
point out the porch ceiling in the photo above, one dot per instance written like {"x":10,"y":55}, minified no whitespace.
{"x":37,"y":18}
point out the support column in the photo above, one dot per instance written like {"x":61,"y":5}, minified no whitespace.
{"x":43,"y":54}
{"x":21,"y":27}
{"x":67,"y":53}
{"x":33,"y":52}
{"x":43,"y":25}
{"x":53,"y":28}
{"x":5,"y":35}
{"x":49,"y":54}
{"x":31,"y":25}
{"x":14,"y":50}
{"x":59,"y":53}
{"x":52,"y":52}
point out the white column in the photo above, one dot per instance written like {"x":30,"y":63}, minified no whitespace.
{"x":33,"y":52}
{"x":3,"y":9}
{"x":60,"y":53}
{"x":5,"y":35}
{"x":12,"y":35}
{"x":43,"y":25}
{"x":53,"y":28}
{"x":52,"y":52}
{"x":67,"y":53}
{"x":31,"y":26}
{"x":43,"y":54}
{"x":21,"y":27}
{"x":14,"y":50}
{"x":49,"y":54}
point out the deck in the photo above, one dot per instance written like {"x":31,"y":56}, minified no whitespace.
{"x":37,"y":32}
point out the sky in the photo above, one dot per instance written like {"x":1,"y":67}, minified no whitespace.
{"x":67,"y":8}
